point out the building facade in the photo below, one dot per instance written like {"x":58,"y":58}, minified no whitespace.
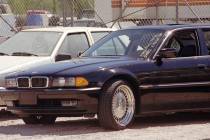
{"x":162,"y":10}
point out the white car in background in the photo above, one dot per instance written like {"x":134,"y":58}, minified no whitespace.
{"x":34,"y":47}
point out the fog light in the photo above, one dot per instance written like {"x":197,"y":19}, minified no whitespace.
{"x":69,"y":103}
{"x":9,"y":103}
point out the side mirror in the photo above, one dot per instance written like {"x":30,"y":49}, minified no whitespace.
{"x":165,"y":53}
{"x":79,"y":54}
{"x":62,"y":57}
{"x":168,"y":53}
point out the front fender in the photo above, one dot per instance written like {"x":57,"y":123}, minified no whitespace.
{"x":104,"y":75}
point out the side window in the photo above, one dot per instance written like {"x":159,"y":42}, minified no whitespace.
{"x":98,"y":35}
{"x":207,"y":39}
{"x":184,"y":43}
{"x":115,"y":46}
{"x":73,"y":44}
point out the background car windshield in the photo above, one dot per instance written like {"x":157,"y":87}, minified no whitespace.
{"x":126,"y":42}
{"x":34,"y":43}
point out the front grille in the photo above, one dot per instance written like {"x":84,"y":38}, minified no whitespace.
{"x":33,"y":82}
{"x":39,"y":82}
{"x":23,"y":82}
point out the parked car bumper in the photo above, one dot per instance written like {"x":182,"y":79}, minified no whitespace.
{"x":2,"y":85}
{"x":60,"y":102}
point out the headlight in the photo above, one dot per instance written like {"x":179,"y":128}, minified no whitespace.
{"x":11,"y":83}
{"x":70,"y":82}
{"x":63,"y":82}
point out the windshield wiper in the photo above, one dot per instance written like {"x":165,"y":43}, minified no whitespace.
{"x":1,"y":53}
{"x":23,"y":54}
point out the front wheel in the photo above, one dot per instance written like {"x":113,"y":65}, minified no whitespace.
{"x":39,"y":119}
{"x":116,"y":105}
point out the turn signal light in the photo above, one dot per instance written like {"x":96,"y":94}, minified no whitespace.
{"x":81,"y":82}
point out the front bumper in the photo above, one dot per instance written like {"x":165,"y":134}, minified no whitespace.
{"x":49,"y":101}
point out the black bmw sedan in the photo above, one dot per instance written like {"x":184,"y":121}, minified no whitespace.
{"x":131,"y":72}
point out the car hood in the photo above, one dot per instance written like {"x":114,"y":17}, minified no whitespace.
{"x":12,"y":64}
{"x":75,"y":66}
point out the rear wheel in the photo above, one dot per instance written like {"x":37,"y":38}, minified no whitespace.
{"x":39,"y":119}
{"x":116,"y":105}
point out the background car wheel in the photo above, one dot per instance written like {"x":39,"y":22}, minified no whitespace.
{"x":116,"y":105}
{"x":39,"y":120}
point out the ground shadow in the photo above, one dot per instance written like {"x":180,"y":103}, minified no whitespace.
{"x":87,"y":126}
{"x":6,"y":115}
{"x":171,"y":120}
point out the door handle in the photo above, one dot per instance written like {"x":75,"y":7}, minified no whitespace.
{"x":202,"y":66}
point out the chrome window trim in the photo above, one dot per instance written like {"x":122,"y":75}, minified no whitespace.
{"x":174,"y":85}
{"x":170,"y":32}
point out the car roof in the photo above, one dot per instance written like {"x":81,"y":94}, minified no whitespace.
{"x":70,"y":29}
{"x":172,"y":26}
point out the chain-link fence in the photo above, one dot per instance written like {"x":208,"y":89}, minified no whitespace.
{"x":16,"y":15}
{"x":153,"y":12}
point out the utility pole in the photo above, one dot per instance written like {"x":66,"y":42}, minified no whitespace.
{"x":177,"y":11}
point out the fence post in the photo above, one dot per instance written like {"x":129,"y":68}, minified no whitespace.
{"x":72,"y":13}
{"x":64,"y":12}
{"x":177,"y":11}
{"x":157,"y":12}
{"x":54,"y":7}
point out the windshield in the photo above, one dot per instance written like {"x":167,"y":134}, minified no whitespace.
{"x":30,"y":43}
{"x":138,"y":42}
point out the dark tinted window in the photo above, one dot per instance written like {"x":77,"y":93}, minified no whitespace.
{"x":98,"y":35}
{"x":185,"y":43}
{"x":73,"y":44}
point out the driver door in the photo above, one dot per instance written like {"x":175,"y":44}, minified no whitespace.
{"x":177,"y":83}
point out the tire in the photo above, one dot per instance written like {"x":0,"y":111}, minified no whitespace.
{"x":39,"y":120}
{"x":116,"y":105}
